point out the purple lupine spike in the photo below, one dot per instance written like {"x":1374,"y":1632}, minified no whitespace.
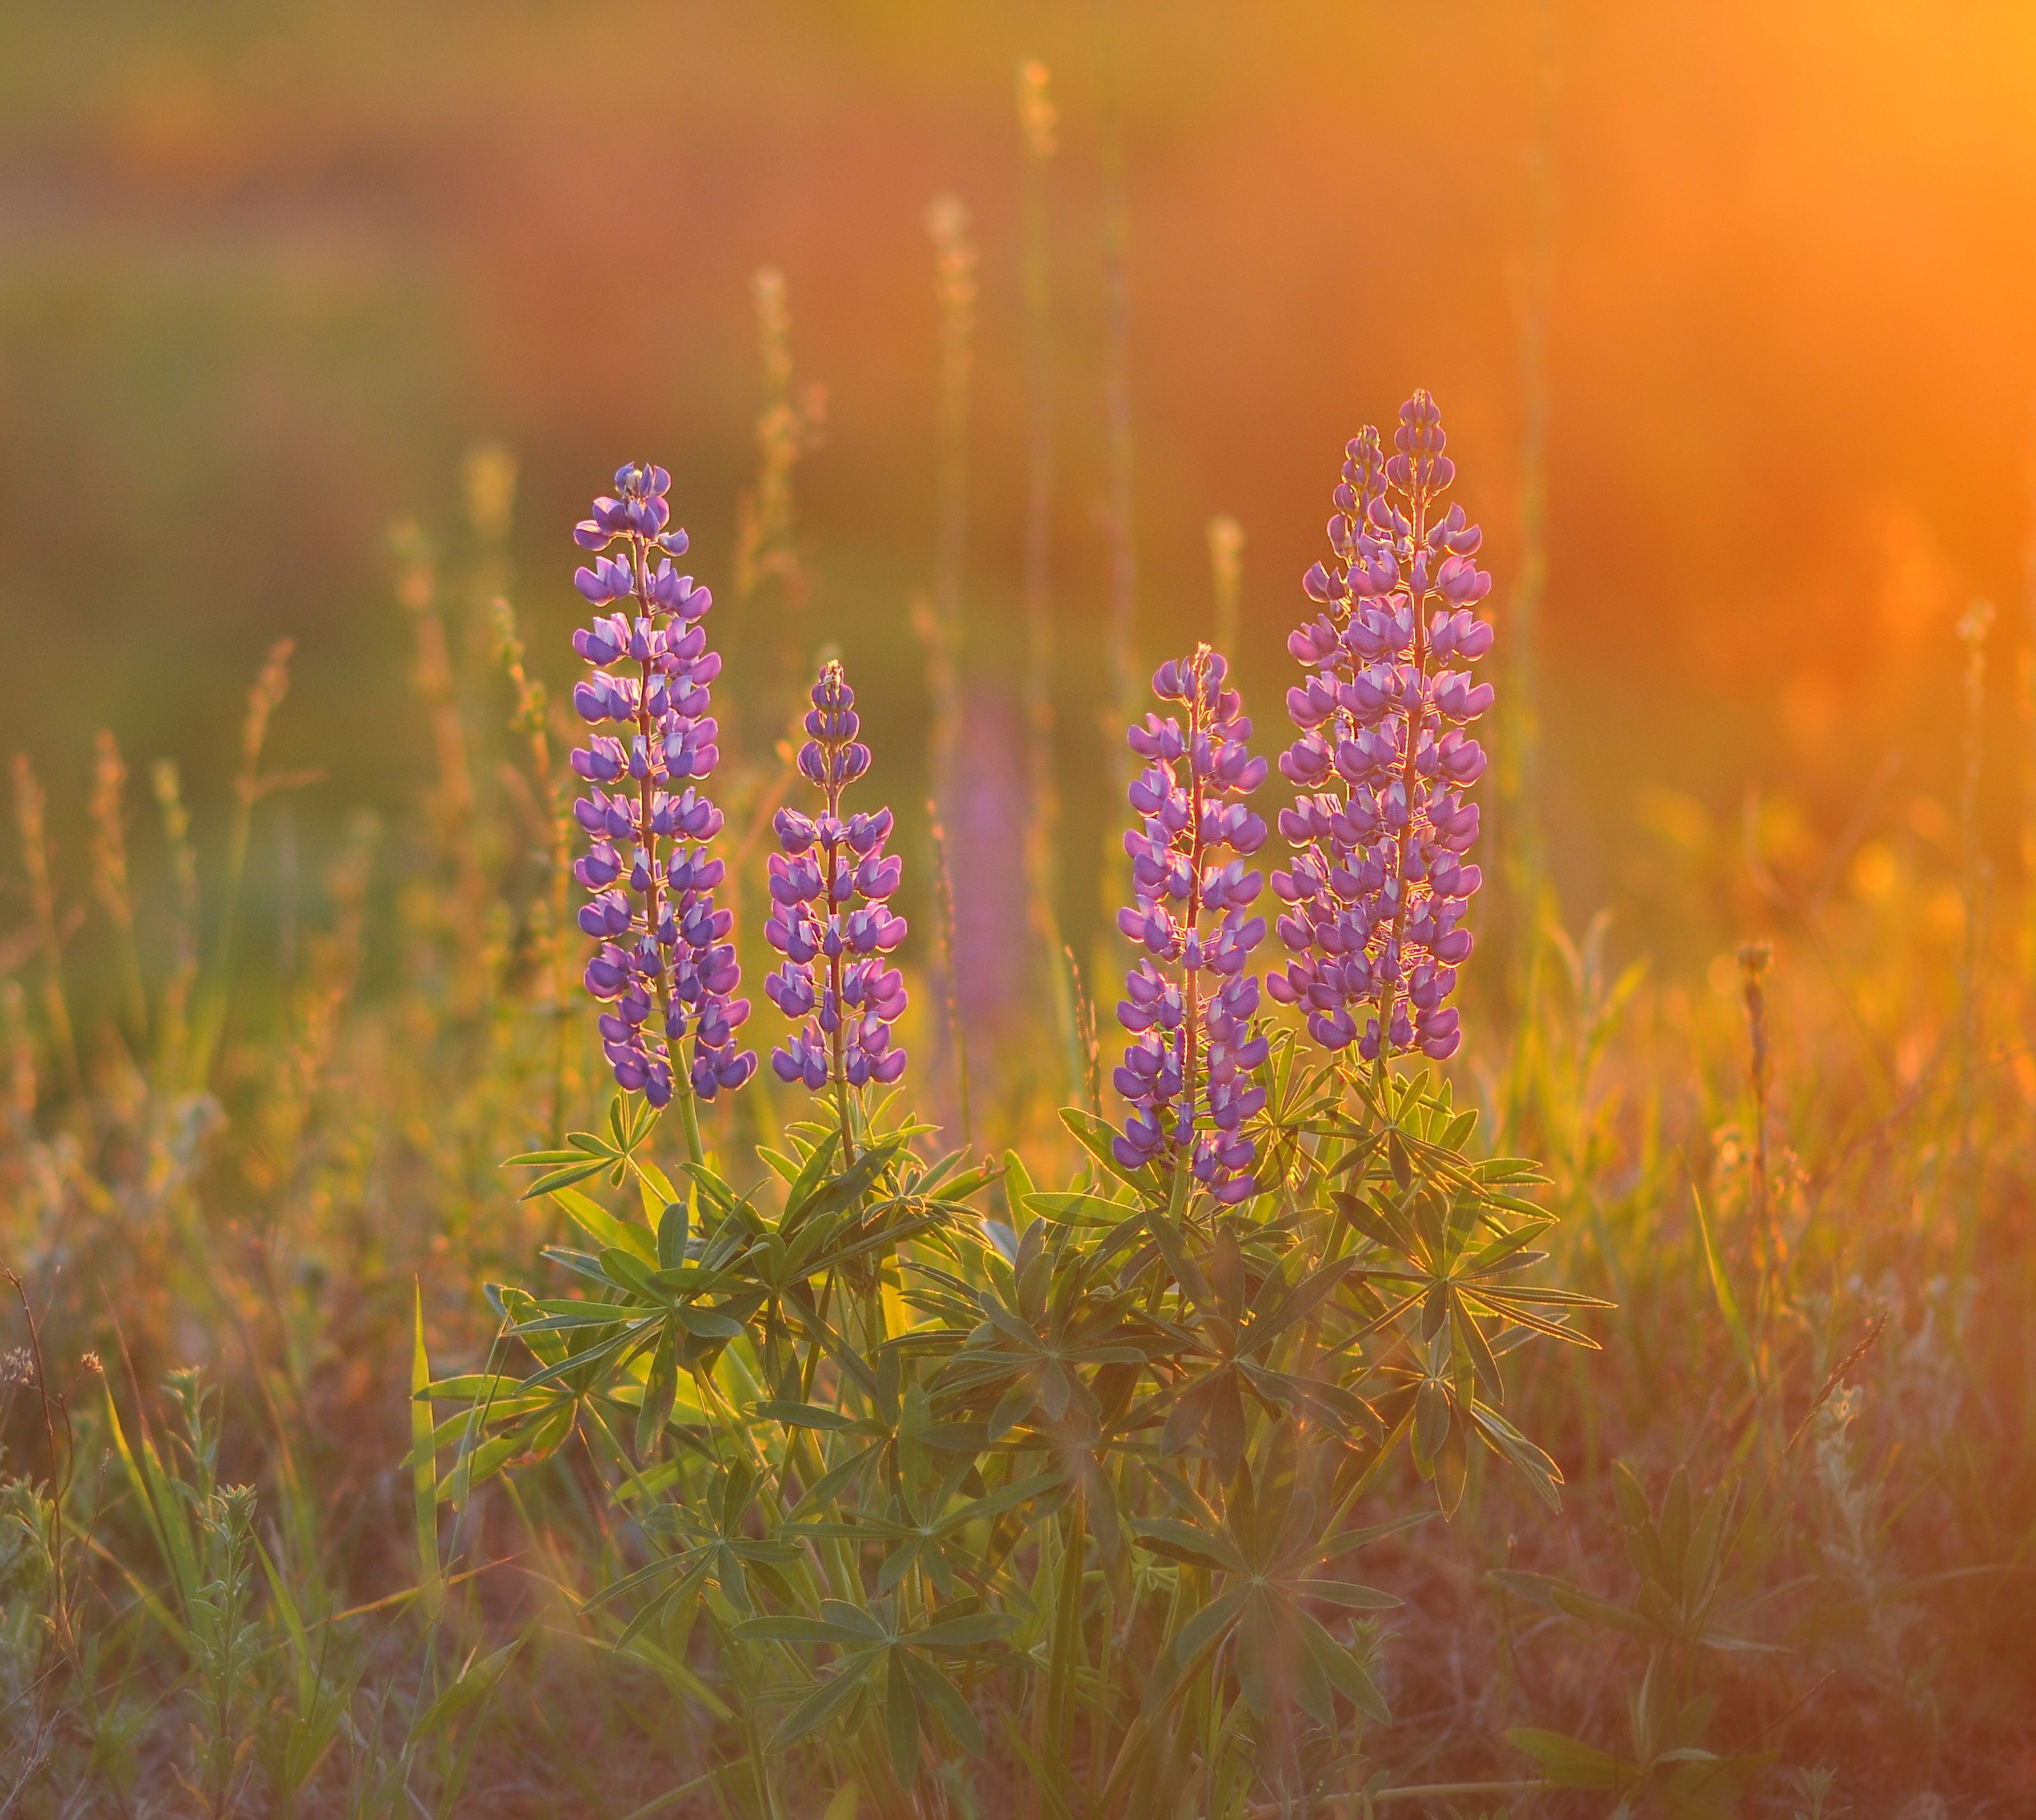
{"x":1188,"y":1002}
{"x":666,"y":968}
{"x":830,"y":917}
{"x":1376,"y":891}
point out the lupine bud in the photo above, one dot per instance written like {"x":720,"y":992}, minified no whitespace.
{"x":661,"y":938}
{"x":1378,"y":885}
{"x":830,"y":919}
{"x":1188,"y":1007}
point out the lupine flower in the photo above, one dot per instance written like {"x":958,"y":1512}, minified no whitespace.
{"x":1379,"y":885}
{"x":1189,"y":1001}
{"x":830,"y":917}
{"x":666,"y":968}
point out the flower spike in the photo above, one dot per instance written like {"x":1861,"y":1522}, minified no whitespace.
{"x":664,"y":967}
{"x":1378,"y":886}
{"x":1189,"y":1000}
{"x":830,"y":914}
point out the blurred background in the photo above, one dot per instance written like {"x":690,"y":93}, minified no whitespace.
{"x":1744,"y":292}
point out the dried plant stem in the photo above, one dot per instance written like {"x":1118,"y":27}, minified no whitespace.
{"x":17,"y":1082}
{"x":1126,"y":697}
{"x":172,"y":1025}
{"x":61,"y":1459}
{"x":2026,"y":720}
{"x":944,"y":892}
{"x":936,"y":619}
{"x":31,"y":820}
{"x":2027,"y":725}
{"x":954,"y":289}
{"x":1124,"y":701}
{"x":531,"y":719}
{"x":110,"y":878}
{"x":1085,"y":1032}
{"x":2024,"y":704}
{"x":488,"y":475}
{"x":1973,"y":629}
{"x":788,"y":427}
{"x":250,"y":786}
{"x":1517,"y":756}
{"x":453,"y":804}
{"x":1039,"y":120}
{"x":1754,"y":959}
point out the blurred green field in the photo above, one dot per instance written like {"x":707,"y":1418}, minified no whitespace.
{"x":321,"y":328}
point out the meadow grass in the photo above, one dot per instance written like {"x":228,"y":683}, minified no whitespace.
{"x":840,"y":1460}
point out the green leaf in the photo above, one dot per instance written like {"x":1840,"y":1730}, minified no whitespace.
{"x":477,"y":1680}
{"x":1076,"y":1209}
{"x":1348,"y":1593}
{"x":965,"y":1632}
{"x":901,"y":1719}
{"x":1183,"y":1655}
{"x":629,"y":1272}
{"x":1346,"y":1670}
{"x":945,"y":1699}
{"x":1431,"y":1423}
{"x":424,"y":1471}
{"x":801,"y":1186}
{"x":1722,"y":1288}
{"x":826,"y":1700}
{"x":1568,"y":1763}
{"x":603,"y":1227}
{"x":1259,"y":1657}
{"x":848,"y":1187}
{"x":673,"y":1229}
{"x":794,"y":1629}
{"x":803,"y":1415}
{"x":1018,"y":1187}
{"x":553,"y":1180}
{"x":661,"y":1391}
{"x":1178,"y":1541}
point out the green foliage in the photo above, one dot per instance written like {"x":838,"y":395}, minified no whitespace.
{"x":1086,"y":1460}
{"x":1688,"y":1558}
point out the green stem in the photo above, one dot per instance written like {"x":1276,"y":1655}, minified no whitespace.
{"x":689,"y":1119}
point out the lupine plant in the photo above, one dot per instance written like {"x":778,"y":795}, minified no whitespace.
{"x":925,"y":1462}
{"x":1378,"y":886}
{"x":1189,"y":1002}
{"x":666,"y":968}
{"x":841,"y":866}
